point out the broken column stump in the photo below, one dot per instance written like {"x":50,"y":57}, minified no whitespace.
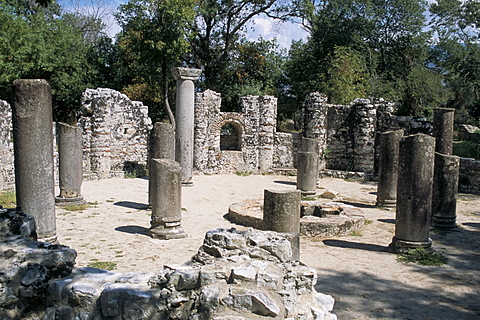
{"x":70,"y":165}
{"x":414,"y":193}
{"x":33,"y":151}
{"x":162,"y":146}
{"x":388,"y":168}
{"x":166,"y":200}
{"x":307,"y":170}
{"x":281,"y":213}
{"x":445,"y":189}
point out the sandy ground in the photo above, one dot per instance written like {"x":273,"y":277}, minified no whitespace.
{"x":366,"y":281}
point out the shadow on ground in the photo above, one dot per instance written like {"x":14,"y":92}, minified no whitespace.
{"x":133,"y":229}
{"x":366,"y":294}
{"x":132,"y":205}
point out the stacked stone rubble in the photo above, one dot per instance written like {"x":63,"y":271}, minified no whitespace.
{"x":244,"y":275}
{"x":315,"y":110}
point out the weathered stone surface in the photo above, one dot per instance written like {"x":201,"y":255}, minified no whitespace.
{"x":115,"y":134}
{"x":443,"y":119}
{"x":414,"y":193}
{"x":445,"y":189}
{"x":241,"y":285}
{"x":33,"y":149}
{"x":388,"y":168}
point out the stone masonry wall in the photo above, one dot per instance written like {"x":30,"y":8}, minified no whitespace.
{"x":7,"y":170}
{"x":115,"y":133}
{"x":255,"y":127}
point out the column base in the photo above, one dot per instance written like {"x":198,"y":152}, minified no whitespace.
{"x":309,"y":192}
{"x":187,"y":183}
{"x":388,"y":203}
{"x":50,"y":239}
{"x":402,"y":246}
{"x":163,"y":233}
{"x":442,"y":222}
{"x":64,"y":201}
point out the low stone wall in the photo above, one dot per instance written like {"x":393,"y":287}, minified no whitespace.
{"x":469,"y":180}
{"x":242,"y":275}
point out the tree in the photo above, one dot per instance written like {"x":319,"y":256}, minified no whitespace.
{"x":219,"y":26}
{"x":40,"y":44}
{"x":385,"y":41}
{"x":154,"y":39}
{"x":348,"y":76}
{"x":456,"y":53}
{"x":255,"y":68}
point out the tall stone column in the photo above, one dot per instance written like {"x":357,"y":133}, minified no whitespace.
{"x":33,"y":150}
{"x":162,"y":146}
{"x":166,"y":200}
{"x":445,"y":188}
{"x":184,"y":118}
{"x":388,"y":168}
{"x":307,"y":172}
{"x":70,"y":164}
{"x":281,"y":213}
{"x":414,"y":193}
{"x":443,"y":129}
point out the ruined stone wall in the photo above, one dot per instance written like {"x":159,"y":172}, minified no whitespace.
{"x":7,"y":170}
{"x":115,"y":133}
{"x":255,"y":128}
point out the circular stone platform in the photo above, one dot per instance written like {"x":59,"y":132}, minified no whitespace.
{"x":318,"y":218}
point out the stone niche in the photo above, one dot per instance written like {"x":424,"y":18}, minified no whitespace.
{"x":115,"y":134}
{"x":241,"y":275}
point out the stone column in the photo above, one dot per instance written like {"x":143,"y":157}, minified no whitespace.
{"x":33,"y":150}
{"x":414,"y":193}
{"x":315,"y":110}
{"x":162,"y":146}
{"x":307,"y":172}
{"x":312,"y":145}
{"x":70,"y":164}
{"x":443,"y":129}
{"x":364,"y":135}
{"x":388,"y":168}
{"x":445,"y":188}
{"x":184,"y":118}
{"x":281,"y":213}
{"x":166,"y":200}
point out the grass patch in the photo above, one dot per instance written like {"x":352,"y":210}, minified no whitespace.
{"x":368,"y":221}
{"x":423,"y":257}
{"x":292,"y":174}
{"x":244,"y":173}
{"x":104,"y":265}
{"x":356,"y":234}
{"x":466,"y":149}
{"x":76,"y":207}
{"x":110,"y":200}
{"x":8,"y":199}
{"x":307,"y":198}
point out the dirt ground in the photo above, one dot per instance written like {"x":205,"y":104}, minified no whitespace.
{"x":366,"y":281}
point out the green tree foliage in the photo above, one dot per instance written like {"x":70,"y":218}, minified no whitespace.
{"x":154,"y":39}
{"x":35,"y":42}
{"x":387,"y":45}
{"x":255,"y":68}
{"x":219,"y":27}
{"x":348,"y":76}
{"x":456,"y":53}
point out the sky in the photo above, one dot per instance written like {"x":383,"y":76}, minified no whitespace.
{"x":262,"y":26}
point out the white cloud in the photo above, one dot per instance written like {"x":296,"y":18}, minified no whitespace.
{"x":268,"y":29}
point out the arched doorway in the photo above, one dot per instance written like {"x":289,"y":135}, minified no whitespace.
{"x":231,"y":137}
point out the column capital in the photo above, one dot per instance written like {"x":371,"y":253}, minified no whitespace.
{"x":186,"y":73}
